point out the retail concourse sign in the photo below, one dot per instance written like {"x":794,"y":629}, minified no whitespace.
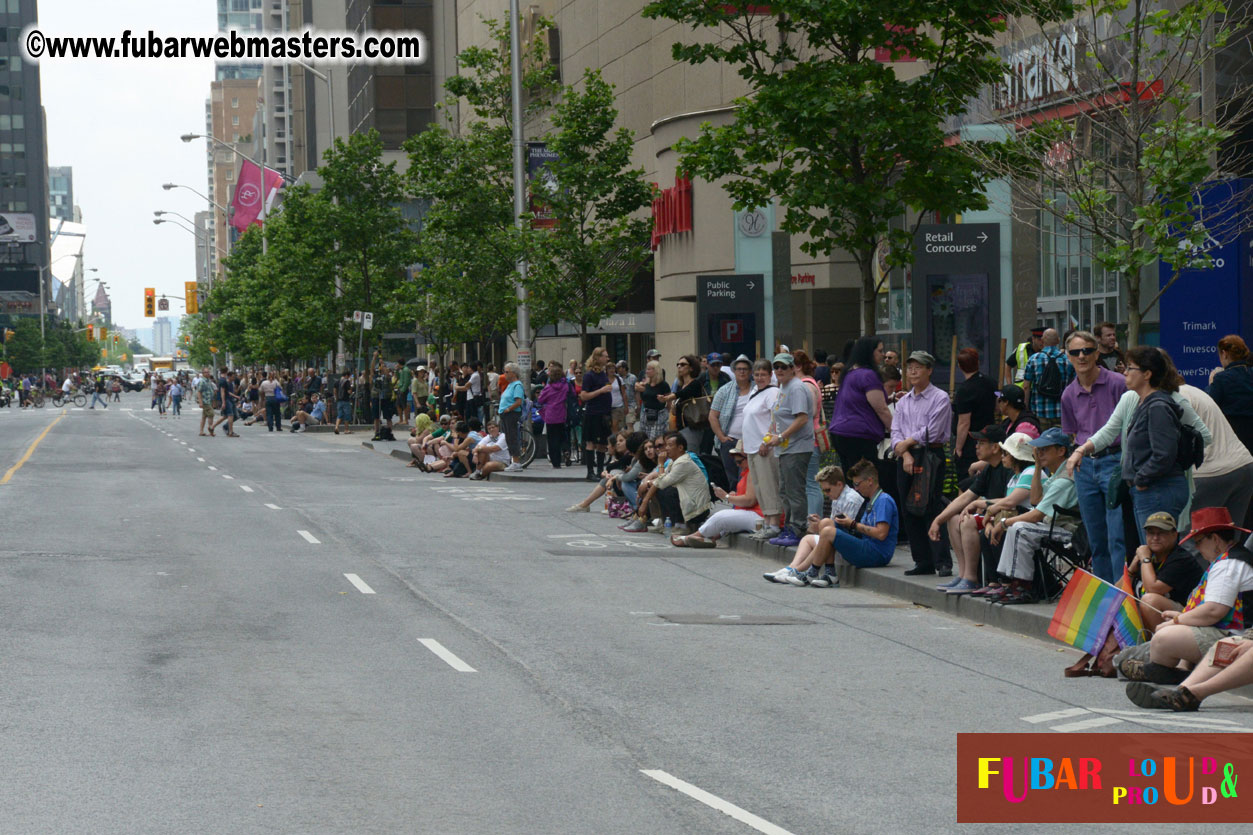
{"x":730,"y":310}
{"x":956,"y":286}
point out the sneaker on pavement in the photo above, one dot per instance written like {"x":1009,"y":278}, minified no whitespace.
{"x":514,"y":467}
{"x":962,"y":587}
{"x":950,"y":584}
{"x":767,"y":533}
{"x":634,"y":526}
{"x":776,"y":576}
{"x":578,"y":508}
{"x":827,"y":581}
{"x":476,"y":476}
{"x":795,"y":577}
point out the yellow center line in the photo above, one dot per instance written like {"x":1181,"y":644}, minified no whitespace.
{"x":31,"y":449}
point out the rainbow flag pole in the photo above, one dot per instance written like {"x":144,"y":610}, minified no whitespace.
{"x":1088,"y":608}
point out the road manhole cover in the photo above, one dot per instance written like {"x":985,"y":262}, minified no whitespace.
{"x":735,"y":620}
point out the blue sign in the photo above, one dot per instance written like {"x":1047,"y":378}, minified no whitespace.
{"x":1205,"y":305}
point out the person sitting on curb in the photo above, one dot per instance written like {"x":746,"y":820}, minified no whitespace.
{"x":1204,"y":681}
{"x":1022,"y":534}
{"x":618,"y":462}
{"x":639,"y":521}
{"x":1019,"y":456}
{"x":991,"y":483}
{"x":867,"y":539}
{"x":462,"y":462}
{"x":491,"y":454}
{"x":681,"y":493}
{"x":314,"y":414}
{"x":742,"y":516}
{"x":417,"y":435}
{"x":1214,"y":609}
{"x":449,"y":445}
{"x":1164,"y":572}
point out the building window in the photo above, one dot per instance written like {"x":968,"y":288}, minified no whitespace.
{"x":230,"y":175}
{"x":235,"y":101}
{"x":1075,"y":291}
{"x":235,"y":121}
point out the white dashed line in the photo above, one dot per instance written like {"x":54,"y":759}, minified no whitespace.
{"x":245,"y":488}
{"x":212,"y":467}
{"x":184,"y":443}
{"x":273,"y":506}
{"x":191,"y":449}
{"x":715,"y":802}
{"x":1057,"y":714}
{"x":229,"y":477}
{"x":448,"y":658}
{"x":1084,"y":724}
{"x":358,"y":582}
{"x":201,"y":460}
{"x":310,"y":538}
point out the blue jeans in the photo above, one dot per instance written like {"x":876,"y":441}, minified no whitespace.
{"x":1104,"y":526}
{"x":631,"y":490}
{"x":813,"y":492}
{"x":1169,"y":494}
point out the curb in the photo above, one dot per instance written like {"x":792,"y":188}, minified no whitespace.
{"x":523,"y":478}
{"x":1032,"y":619}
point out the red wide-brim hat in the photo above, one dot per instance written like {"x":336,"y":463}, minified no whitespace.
{"x":1209,"y":519}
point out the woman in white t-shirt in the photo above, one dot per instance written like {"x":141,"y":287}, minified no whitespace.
{"x":491,"y":453}
{"x":763,"y":464}
{"x":1225,"y":479}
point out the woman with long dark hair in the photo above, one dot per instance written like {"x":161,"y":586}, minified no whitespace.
{"x":860,"y":417}
{"x":687,"y":388}
{"x":1232,"y":387}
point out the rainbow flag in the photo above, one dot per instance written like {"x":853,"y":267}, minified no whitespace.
{"x":1128,"y":624}
{"x":1085,"y":612}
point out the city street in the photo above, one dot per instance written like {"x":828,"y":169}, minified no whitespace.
{"x":282,"y":633}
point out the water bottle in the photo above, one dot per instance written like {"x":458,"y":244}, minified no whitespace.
{"x":669,"y":526}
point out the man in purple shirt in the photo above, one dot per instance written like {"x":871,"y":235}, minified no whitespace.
{"x":1087,"y":403}
{"x":921,"y":427}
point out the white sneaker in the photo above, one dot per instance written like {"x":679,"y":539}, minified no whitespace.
{"x":577,"y":508}
{"x":514,"y":467}
{"x":776,"y":576}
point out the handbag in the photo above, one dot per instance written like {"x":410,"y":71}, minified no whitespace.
{"x":619,"y":508}
{"x":918,"y":497}
{"x":279,"y":395}
{"x":1117,"y":491}
{"x":696,"y":412}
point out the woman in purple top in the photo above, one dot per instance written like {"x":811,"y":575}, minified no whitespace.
{"x":860,"y":418}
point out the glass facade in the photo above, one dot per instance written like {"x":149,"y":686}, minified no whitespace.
{"x":1074,"y":291}
{"x":396,"y":99}
{"x":61,"y":192}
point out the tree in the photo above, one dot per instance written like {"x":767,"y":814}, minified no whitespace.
{"x":1124,"y":173}
{"x":470,"y":244}
{"x":845,"y":144}
{"x":582,"y":265}
{"x":137,"y":347}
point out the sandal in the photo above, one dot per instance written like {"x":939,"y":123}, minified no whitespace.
{"x":701,"y":542}
{"x":231,"y":435}
{"x":1017,"y":597}
{"x":1080,"y":668}
{"x":678,"y":541}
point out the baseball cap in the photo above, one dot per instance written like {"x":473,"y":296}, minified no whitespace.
{"x":992,"y":433}
{"x":1052,"y":437}
{"x":714,"y":357}
{"x":921,"y":357}
{"x":653,"y":354}
{"x":1013,"y":395}
{"x":784,"y":358}
{"x":1162,"y":521}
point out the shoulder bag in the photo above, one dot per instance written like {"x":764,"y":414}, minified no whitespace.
{"x":696,"y":412}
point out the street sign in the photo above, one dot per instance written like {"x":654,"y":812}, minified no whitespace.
{"x":356,"y":316}
{"x":730,"y":312}
{"x":163,"y":303}
{"x":339,"y":360}
{"x":367,"y":320}
{"x":524,"y":360}
{"x":957,"y":292}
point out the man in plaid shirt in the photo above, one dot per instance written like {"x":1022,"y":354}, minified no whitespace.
{"x":1047,"y":404}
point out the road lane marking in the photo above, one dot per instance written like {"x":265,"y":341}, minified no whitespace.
{"x":228,"y":477}
{"x":715,"y":802}
{"x":191,"y":449}
{"x":448,"y":658}
{"x":310,"y":538}
{"x":358,"y":582}
{"x":1194,"y":720}
{"x":30,"y":450}
{"x":245,"y":488}
{"x":1057,"y":714}
{"x":184,"y":443}
{"x":212,"y":467}
{"x":272,"y":506}
{"x":201,"y":460}
{"x":1084,"y":724}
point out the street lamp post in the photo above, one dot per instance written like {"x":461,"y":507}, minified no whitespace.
{"x":188,"y":137}
{"x":519,"y":189}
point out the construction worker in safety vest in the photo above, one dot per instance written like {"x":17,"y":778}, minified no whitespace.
{"x":1017,"y":361}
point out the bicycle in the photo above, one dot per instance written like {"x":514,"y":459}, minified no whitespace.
{"x":36,"y":398}
{"x":527,"y":440}
{"x":77,"y":398}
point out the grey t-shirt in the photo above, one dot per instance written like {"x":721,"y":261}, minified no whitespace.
{"x":794,"y":400}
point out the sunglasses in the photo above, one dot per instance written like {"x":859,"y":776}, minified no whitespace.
{"x":1084,"y":352}
{"x":680,"y":363}
{"x":778,"y":366}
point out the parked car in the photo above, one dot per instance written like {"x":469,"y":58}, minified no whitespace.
{"x":133,"y":381}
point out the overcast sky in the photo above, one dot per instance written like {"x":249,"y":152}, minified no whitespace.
{"x":118,"y":124}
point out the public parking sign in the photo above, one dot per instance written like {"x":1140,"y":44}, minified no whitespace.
{"x":367,"y":321}
{"x":730,"y":311}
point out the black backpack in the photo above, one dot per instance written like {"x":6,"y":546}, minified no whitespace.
{"x":1191,"y":450}
{"x":1050,"y":384}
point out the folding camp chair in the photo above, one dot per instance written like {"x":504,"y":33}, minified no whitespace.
{"x":1057,"y":558}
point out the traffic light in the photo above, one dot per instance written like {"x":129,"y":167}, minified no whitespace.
{"x":150,"y":302}
{"x":189,"y":293}
{"x":6,"y":334}
{"x":91,"y":333}
{"x":103,"y":333}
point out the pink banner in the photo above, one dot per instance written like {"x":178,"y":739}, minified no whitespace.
{"x":247,"y":203}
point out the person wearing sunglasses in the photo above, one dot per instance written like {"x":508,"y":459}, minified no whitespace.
{"x":1087,"y":404}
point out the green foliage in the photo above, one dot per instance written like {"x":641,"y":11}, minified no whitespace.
{"x":587,"y":261}
{"x":843,"y":143}
{"x":60,"y":348}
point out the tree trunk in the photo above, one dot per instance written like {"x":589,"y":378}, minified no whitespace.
{"x":1134,"y":319}
{"x":866,"y":262}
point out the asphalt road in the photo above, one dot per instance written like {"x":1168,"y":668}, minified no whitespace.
{"x":279,"y":633}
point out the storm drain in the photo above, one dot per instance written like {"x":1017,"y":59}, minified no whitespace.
{"x":735,"y":620}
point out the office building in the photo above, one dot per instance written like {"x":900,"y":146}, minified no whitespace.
{"x":23,"y":167}
{"x":162,"y":336}
{"x":61,"y":192}
{"x":232,"y":110}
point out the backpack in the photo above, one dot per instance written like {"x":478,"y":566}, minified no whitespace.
{"x":716,"y":472}
{"x":1050,"y":384}
{"x":1191,"y":450}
